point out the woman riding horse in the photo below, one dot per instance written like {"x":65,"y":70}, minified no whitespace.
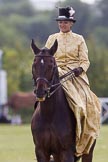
{"x":53,"y":123}
{"x":59,"y":127}
{"x":72,"y":54}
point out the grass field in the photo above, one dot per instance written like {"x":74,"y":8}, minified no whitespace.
{"x":16,"y":144}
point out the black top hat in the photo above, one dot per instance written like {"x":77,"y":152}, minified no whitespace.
{"x":66,"y":14}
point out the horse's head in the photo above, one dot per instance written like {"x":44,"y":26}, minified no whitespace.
{"x":43,"y":69}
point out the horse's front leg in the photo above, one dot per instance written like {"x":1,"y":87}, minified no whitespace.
{"x":89,"y":157}
{"x":67,"y":156}
{"x":41,"y":155}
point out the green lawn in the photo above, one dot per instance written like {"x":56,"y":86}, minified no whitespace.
{"x":16,"y":144}
{"x":101,"y":150}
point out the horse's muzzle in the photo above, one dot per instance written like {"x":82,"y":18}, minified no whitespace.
{"x":40,"y":99}
{"x":40,"y":95}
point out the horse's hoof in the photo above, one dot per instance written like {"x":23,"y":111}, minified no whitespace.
{"x":51,"y":159}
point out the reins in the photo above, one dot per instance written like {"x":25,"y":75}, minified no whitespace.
{"x":63,"y":79}
{"x":67,"y":74}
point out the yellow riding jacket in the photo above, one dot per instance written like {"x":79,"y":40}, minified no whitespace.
{"x":72,"y":51}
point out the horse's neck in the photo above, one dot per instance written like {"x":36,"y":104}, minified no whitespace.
{"x":50,"y":106}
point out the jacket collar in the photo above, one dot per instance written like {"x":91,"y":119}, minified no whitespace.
{"x":68,"y":33}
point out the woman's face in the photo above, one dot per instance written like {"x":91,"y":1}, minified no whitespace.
{"x":65,"y":26}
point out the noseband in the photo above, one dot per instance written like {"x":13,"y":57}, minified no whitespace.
{"x":43,"y":79}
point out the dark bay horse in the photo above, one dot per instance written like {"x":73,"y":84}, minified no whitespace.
{"x":53,"y":123}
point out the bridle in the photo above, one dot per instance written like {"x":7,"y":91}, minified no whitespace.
{"x":53,"y":87}
{"x":49,"y":83}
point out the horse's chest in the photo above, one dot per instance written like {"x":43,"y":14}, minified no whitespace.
{"x":52,"y":135}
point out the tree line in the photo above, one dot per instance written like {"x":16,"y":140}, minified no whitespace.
{"x":20,"y":21}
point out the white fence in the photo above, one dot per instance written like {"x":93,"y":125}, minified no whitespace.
{"x":3,"y":87}
{"x":104,"y":110}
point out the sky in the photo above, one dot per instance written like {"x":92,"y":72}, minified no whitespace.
{"x":43,"y":4}
{"x":87,"y":1}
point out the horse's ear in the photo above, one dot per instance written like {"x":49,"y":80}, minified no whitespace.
{"x":54,"y":47}
{"x":35,"y":49}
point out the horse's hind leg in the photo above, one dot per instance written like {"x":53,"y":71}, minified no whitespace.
{"x":56,"y":158}
{"x":76,"y":159}
{"x":89,"y":157}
